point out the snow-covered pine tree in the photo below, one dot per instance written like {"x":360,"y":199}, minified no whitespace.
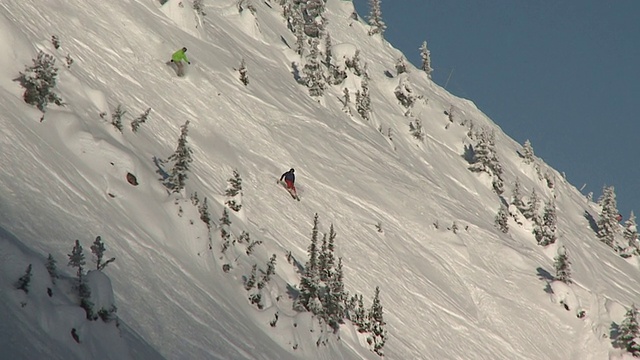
{"x":375,"y":18}
{"x":116,"y":117}
{"x":628,"y":332}
{"x":425,"y":55}
{"x":225,"y":234}
{"x":404,"y":92}
{"x":401,"y":65}
{"x":608,"y":222}
{"x":562,"y":266}
{"x":313,"y":16}
{"x":549,"y":224}
{"x":98,"y":250}
{"x":377,"y":324}
{"x":244,"y":78}
{"x":416,"y":129}
{"x":630,"y":235}
{"x":533,"y":206}
{"x":527,"y":152}
{"x":313,"y":74}
{"x":52,"y":268}
{"x":326,"y":258}
{"x":298,"y":29}
{"x":76,"y":259}
{"x":346,"y":101}
{"x":482,"y":153}
{"x":39,"y":81}
{"x":135,"y":124}
{"x":354,"y":64}
{"x":308,"y":296}
{"x":205,"y":216}
{"x":182,"y":158}
{"x":516,"y":196}
{"x":25,"y":280}
{"x":336,"y":297}
{"x":363,"y":98}
{"x":234,"y":192}
{"x":502,"y":219}
{"x":198,"y":6}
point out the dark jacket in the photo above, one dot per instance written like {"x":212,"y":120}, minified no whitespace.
{"x":289,"y":175}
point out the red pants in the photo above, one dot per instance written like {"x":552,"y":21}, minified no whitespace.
{"x":290,"y":186}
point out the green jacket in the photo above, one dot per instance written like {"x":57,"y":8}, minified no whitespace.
{"x":178,"y":56}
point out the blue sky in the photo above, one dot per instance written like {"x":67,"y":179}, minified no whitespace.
{"x":563,"y":74}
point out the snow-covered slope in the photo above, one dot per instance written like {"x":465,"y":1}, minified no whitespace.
{"x":473,"y":294}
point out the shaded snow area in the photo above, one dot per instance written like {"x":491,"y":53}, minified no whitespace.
{"x":409,"y":216}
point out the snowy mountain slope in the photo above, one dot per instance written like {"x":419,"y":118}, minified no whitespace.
{"x":476,"y":294}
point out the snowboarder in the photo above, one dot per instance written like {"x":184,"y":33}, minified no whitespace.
{"x":177,"y":58}
{"x":290,"y":178}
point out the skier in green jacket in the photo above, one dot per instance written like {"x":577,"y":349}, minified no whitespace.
{"x":177,"y":58}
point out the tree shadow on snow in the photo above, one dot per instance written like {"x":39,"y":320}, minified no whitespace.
{"x":614,"y":332}
{"x":469,"y":153}
{"x":292,"y":292}
{"x":592,"y":222}
{"x":547,"y":277}
{"x":296,"y":73}
{"x":388,"y":74}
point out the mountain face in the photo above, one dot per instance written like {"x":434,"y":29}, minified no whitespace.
{"x":395,"y":168}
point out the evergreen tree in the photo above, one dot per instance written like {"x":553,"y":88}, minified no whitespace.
{"x":425,"y":55}
{"x":486,"y":160}
{"x":527,"y":152}
{"x":549,"y":224}
{"x":182,"y":158}
{"x":628,"y":332}
{"x":313,"y":74}
{"x":608,"y":222}
{"x":76,"y":259}
{"x":354,"y":64}
{"x":225,"y":235}
{"x":335,"y":308}
{"x":135,"y":124}
{"x":502,"y":219}
{"x":52,"y":268}
{"x":416,"y":129}
{"x":377,"y":324}
{"x":516,"y":196}
{"x":198,"y":6}
{"x":363,"y":98}
{"x":532,"y":208}
{"x":375,"y":18}
{"x":562,"y":266}
{"x":232,"y":192}
{"x":116,"y":117}
{"x":360,"y":316}
{"x":401,"y":66}
{"x":84,"y":293}
{"x":271,"y":269}
{"x":25,"y":280}
{"x":244,"y":78}
{"x":298,"y":30}
{"x":39,"y":82}
{"x":328,"y":54}
{"x":310,"y":278}
{"x":404,"y":92}
{"x":630,"y":234}
{"x":326,"y":258}
{"x":313,"y":16}
{"x":98,"y":250}
{"x":205,"y":216}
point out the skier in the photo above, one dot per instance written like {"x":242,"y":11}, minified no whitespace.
{"x":177,"y":58}
{"x":289,"y":178}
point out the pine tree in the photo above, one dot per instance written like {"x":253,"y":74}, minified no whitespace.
{"x":51,"y":268}
{"x":608,"y":223}
{"x":484,"y":155}
{"x":363,"y":98}
{"x":516,"y":196}
{"x":116,"y":117}
{"x":25,"y":280}
{"x":313,"y":74}
{"x":377,"y":324}
{"x":84,"y":293}
{"x":375,"y":18}
{"x":310,"y":278}
{"x":629,"y":331}
{"x":401,"y":66}
{"x":335,"y":308}
{"x":39,"y":82}
{"x":549,"y":224}
{"x":182,"y":158}
{"x":298,"y":30}
{"x":630,"y":234}
{"x":425,"y":55}
{"x":98,"y":250}
{"x":76,"y":259}
{"x":234,"y":189}
{"x":527,"y":152}
{"x":416,"y":129}
{"x":225,"y":222}
{"x":533,"y":206}
{"x":360,"y":315}
{"x":502,"y":219}
{"x":404,"y":92}
{"x":562,"y":266}
{"x":313,"y":15}
{"x":205,"y":216}
{"x":135,"y":124}
{"x":326,"y":258}
{"x":244,"y":78}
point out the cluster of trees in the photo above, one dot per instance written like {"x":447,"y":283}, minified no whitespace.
{"x":322,"y":291}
